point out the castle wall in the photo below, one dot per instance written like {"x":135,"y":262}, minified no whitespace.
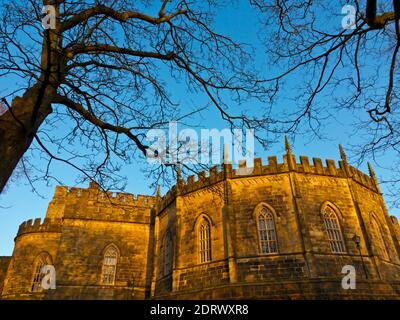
{"x":80,"y":258}
{"x":371,"y":207}
{"x":275,"y":191}
{"x":165,"y":227}
{"x":191,"y":274}
{"x":396,"y":227}
{"x":92,"y":221}
{"x":300,"y":289}
{"x":181,"y":218}
{"x":32,"y":240}
{"x":297,"y":193}
{"x":313,"y":193}
{"x":79,"y":225}
{"x":191,"y":209}
{"x":158,"y":247}
{"x":244,"y":197}
{"x":4,"y":263}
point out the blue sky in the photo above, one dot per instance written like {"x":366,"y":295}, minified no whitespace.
{"x":20,"y":203}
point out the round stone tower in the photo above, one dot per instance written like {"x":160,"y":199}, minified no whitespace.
{"x":290,"y":230}
{"x":35,"y":244}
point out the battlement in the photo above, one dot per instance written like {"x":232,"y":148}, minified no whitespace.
{"x":341,"y":169}
{"x":315,"y":166}
{"x":304,"y":165}
{"x":33,"y":226}
{"x":93,"y":193}
{"x":94,"y":204}
{"x":167,"y":198}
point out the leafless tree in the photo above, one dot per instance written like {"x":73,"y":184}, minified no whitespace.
{"x":106,"y":68}
{"x":352,"y":70}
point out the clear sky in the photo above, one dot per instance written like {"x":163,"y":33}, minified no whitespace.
{"x":19,"y":203}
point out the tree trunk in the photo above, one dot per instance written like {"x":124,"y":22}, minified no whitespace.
{"x":371,"y":11}
{"x":18,"y":129}
{"x":19,"y":125}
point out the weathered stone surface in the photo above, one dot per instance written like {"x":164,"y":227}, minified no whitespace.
{"x":158,"y":238}
{"x":4,"y":263}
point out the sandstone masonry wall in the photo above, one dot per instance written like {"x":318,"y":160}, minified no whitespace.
{"x":82,"y":223}
{"x":4,"y":263}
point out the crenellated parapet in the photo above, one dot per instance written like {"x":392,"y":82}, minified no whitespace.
{"x":95,"y":204}
{"x":94,"y":194}
{"x":167,"y":198}
{"x":363,"y":179}
{"x":304,"y":165}
{"x":125,"y":204}
{"x":36,"y":226}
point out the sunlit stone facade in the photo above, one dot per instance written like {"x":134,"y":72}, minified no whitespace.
{"x":283,"y":231}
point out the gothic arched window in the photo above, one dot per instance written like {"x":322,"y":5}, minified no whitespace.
{"x":379,"y":242}
{"x":332,"y":227}
{"x":109,"y":268}
{"x":267,"y":232}
{"x":204,"y":240}
{"x":41,"y":260}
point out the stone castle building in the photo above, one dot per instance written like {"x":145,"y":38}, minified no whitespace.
{"x":281,"y":231}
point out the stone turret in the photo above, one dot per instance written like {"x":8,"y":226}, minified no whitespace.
{"x":48,"y":225}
